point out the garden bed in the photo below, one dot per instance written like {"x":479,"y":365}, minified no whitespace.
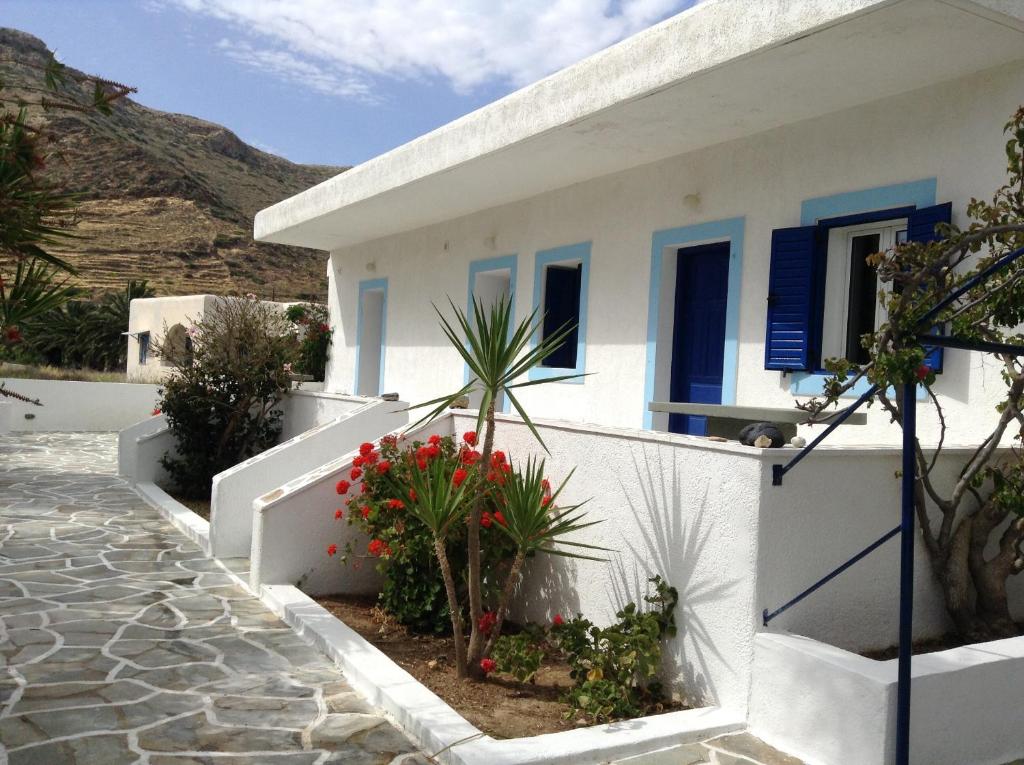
{"x":928,"y":645}
{"x":200,"y":506}
{"x":501,"y":707}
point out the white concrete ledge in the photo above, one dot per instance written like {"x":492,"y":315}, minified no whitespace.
{"x":439,"y":729}
{"x":188,"y":523}
{"x":833,"y":707}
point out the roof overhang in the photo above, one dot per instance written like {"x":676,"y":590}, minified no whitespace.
{"x":722,"y":70}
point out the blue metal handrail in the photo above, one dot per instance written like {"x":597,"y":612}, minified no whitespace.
{"x":767,"y":617}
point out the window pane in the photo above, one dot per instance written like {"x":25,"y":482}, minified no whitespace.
{"x":863,"y":296}
{"x":562,"y":307}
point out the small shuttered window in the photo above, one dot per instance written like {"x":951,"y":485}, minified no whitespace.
{"x":796,"y":286}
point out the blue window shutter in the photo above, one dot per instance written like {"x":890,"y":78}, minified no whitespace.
{"x":793,"y":286}
{"x":921,"y":228}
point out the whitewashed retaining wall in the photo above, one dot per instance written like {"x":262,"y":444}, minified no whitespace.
{"x":235,"y":489}
{"x":70,"y":406}
{"x":294,"y":524}
{"x":140,"y":447}
{"x":702,"y":514}
{"x":832,"y":707}
{"x":306,"y":409}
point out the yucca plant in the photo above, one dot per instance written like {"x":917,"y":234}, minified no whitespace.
{"x":439,"y":499}
{"x":534,"y":521}
{"x":497,"y":354}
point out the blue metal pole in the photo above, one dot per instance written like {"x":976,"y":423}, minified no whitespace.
{"x":906,"y":574}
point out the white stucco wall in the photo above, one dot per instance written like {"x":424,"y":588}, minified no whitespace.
{"x":306,"y":409}
{"x":155,"y":315}
{"x":952,"y":133}
{"x":235,"y":489}
{"x":78,"y":406}
{"x":832,"y":707}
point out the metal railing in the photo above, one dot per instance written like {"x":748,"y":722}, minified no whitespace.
{"x":907,"y":490}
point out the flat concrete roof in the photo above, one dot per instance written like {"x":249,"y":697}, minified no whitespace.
{"x":722,"y":70}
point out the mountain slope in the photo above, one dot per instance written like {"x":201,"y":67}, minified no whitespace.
{"x":168,"y":197}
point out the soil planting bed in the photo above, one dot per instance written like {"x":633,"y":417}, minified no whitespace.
{"x":500,"y":707}
{"x":931,"y":645}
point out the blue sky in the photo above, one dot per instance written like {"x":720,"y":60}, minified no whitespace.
{"x":328,"y":81}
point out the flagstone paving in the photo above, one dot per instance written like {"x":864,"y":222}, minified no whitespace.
{"x":121,"y":643}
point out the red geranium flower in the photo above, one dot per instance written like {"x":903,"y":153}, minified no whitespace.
{"x":500,"y":518}
{"x":434,"y":440}
{"x":365,"y":512}
{"x":486,"y":520}
{"x":487,"y":622}
{"x":325,"y":328}
{"x":371,"y":458}
{"x":497,"y":459}
{"x":365,"y":448}
{"x":383,"y":466}
{"x":433,"y":451}
{"x":396,"y":504}
{"x":923,"y":371}
{"x":546,"y":484}
{"x":156,"y":412}
{"x":389,"y":440}
{"x":488,"y":665}
{"x":546,"y":501}
{"x":558,"y":621}
{"x":332,"y":549}
{"x":421,"y":463}
{"x":338,"y":514}
{"x":378,"y":548}
{"x":469,"y":456}
{"x":364,"y":488}
{"x":470,"y":437}
{"x":342,"y":486}
{"x":412,"y":495}
{"x":459,"y":476}
{"x":355,"y":473}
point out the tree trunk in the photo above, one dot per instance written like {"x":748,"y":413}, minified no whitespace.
{"x":958,"y":587}
{"x":990,"y":575}
{"x":476,"y":609}
{"x":506,"y":597}
{"x":458,"y":637}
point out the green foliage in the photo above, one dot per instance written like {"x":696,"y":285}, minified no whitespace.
{"x":496,"y":354}
{"x":314,"y":338}
{"x":616,"y":668}
{"x":35,"y":290}
{"x":221,"y":399}
{"x":86,"y":334}
{"x":518,"y":655}
{"x":422,"y":477}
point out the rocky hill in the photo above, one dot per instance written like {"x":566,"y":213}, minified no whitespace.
{"x":169,"y":198}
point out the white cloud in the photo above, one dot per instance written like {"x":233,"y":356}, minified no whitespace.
{"x":340,"y":46}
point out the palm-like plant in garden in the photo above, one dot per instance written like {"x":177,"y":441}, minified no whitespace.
{"x":497,"y":354}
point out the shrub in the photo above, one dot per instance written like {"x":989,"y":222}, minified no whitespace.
{"x":402,"y":545}
{"x":315,"y":338}
{"x":221,"y":398}
{"x":616,"y":668}
{"x":518,"y":655}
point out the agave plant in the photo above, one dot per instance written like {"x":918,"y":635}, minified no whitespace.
{"x":497,"y":354}
{"x":438,"y":500}
{"x":534,"y":521}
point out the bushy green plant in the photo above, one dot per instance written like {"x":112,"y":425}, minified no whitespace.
{"x":221,"y":399}
{"x":518,"y":655}
{"x":413,"y":591}
{"x":616,"y":668}
{"x":314,"y":338}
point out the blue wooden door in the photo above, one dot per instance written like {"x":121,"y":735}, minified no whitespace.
{"x":698,"y":344}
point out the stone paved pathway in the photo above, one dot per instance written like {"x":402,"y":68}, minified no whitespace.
{"x":121,"y":643}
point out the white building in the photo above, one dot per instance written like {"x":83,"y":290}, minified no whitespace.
{"x":657,"y":192}
{"x":696,"y":142}
{"x":154,"y":321}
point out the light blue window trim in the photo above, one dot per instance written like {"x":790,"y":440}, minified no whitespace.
{"x":501,"y":263}
{"x":920,"y":193}
{"x":731,"y":230}
{"x":572,"y":252}
{"x":370,"y":285}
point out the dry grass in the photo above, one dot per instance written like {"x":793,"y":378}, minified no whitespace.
{"x":25,"y":372}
